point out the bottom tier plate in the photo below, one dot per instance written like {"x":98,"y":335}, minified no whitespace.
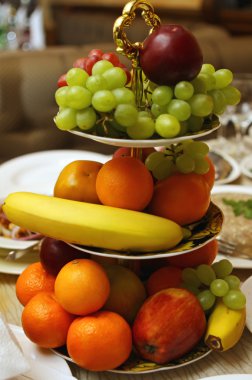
{"x":136,"y":365}
{"x":202,"y":232}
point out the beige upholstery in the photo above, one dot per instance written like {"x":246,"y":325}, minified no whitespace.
{"x":28,"y":83}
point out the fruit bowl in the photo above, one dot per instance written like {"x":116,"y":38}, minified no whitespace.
{"x":136,"y":365}
{"x":202,"y":233}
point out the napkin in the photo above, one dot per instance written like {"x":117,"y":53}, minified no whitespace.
{"x":16,"y":363}
{"x":12,"y":360}
{"x":41,"y":372}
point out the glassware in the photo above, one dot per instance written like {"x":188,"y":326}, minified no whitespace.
{"x":239,"y":116}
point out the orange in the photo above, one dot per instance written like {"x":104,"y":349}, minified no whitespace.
{"x":45,"y":322}
{"x":202,"y":255}
{"x":100,"y":341}
{"x":163,"y":278}
{"x":77,"y":181}
{"x":125,"y":182}
{"x":210,"y":175}
{"x":82,"y":286}
{"x":183,"y":198}
{"x":33,"y":280}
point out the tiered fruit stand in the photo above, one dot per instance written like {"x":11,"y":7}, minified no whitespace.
{"x":195,"y":233}
{"x":201,"y":232}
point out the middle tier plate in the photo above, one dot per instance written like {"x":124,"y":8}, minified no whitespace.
{"x":144,"y":143}
{"x":202,"y":232}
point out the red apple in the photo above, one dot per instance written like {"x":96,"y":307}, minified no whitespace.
{"x":171,"y":54}
{"x":168,"y":325}
{"x":125,"y":151}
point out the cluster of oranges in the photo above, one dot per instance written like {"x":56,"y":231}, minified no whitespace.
{"x":90,"y":305}
{"x":67,"y":309}
{"x":125,"y":182}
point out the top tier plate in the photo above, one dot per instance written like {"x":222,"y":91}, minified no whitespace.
{"x":144,"y":143}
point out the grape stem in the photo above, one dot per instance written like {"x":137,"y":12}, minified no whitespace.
{"x":173,"y":151}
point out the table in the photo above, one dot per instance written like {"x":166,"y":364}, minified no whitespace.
{"x":234,"y":361}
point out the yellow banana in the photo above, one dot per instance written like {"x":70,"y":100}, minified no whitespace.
{"x":225,"y":327}
{"x":91,"y":224}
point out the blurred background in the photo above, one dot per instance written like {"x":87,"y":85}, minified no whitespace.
{"x":40,"y":40}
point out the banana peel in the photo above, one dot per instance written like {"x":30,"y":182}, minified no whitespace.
{"x":91,"y":224}
{"x":225,"y":327}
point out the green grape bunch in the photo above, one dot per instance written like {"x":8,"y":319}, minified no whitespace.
{"x":184,"y":157}
{"x":97,"y":97}
{"x":210,"y":282}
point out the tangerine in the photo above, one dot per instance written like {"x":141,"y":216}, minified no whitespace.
{"x":125,"y":182}
{"x":33,"y":280}
{"x":183,"y":198}
{"x":82,"y":286}
{"x":203,"y":255}
{"x":210,"y":175}
{"x":100,"y":341}
{"x":163,"y":278}
{"x":45,"y":322}
{"x":77,"y":181}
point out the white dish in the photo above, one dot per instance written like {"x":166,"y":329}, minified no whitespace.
{"x":38,"y":172}
{"x":217,"y":189}
{"x":41,"y":359}
{"x":17,"y":266}
{"x":141,"y":143}
{"x":237,"y":262}
{"x":7,"y":243}
{"x":246,"y":288}
{"x":246,"y":166}
{"x":224,"y":161}
{"x":228,"y":377}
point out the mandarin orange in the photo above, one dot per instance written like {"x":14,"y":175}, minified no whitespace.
{"x":210,"y":175}
{"x":100,"y":341}
{"x":82,"y":286}
{"x":77,"y":181}
{"x":183,"y":198}
{"x":125,"y":182}
{"x":163,"y":278}
{"x":33,"y":280}
{"x":45,"y":322}
{"x":203,"y":255}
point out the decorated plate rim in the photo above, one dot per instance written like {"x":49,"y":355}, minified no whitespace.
{"x":199,"y":351}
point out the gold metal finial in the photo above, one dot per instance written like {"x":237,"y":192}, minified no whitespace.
{"x":131,"y":49}
{"x":124,"y":46}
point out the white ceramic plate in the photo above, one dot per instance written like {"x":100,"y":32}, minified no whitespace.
{"x":17,"y":266}
{"x":141,"y":143}
{"x":7,"y":243}
{"x":228,"y":377}
{"x":236,"y":261}
{"x":41,"y":359}
{"x":246,"y":166}
{"x":38,"y":172}
{"x":227,"y":169}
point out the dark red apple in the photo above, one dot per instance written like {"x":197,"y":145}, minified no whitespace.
{"x":54,"y":254}
{"x":125,"y":151}
{"x":171,"y":54}
{"x":168,"y":325}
